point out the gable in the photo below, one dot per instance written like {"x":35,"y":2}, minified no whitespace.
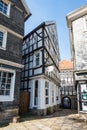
{"x":28,"y":13}
{"x":21,"y":4}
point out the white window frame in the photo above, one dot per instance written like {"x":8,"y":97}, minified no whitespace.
{"x":4,"y":39}
{"x":6,"y":98}
{"x":8,"y":8}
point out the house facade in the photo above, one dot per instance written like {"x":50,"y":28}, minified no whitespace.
{"x":68,"y":92}
{"x":13,"y":14}
{"x":40,"y":75}
{"x":77,"y":24}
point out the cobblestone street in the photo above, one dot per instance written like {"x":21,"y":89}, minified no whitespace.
{"x":61,"y":120}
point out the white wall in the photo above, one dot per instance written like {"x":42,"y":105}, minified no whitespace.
{"x":41,"y":93}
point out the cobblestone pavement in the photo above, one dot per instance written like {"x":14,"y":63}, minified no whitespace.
{"x":60,"y":120}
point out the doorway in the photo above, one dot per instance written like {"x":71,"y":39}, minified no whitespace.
{"x":66,"y":103}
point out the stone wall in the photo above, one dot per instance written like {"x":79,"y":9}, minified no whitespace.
{"x":47,"y":111}
{"x":73,"y":101}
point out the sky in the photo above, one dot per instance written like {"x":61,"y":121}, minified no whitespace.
{"x":53,"y":10}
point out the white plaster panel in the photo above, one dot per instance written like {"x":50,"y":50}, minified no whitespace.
{"x":38,"y":71}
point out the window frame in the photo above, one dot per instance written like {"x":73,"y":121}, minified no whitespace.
{"x":8,"y":8}
{"x":10,"y":97}
{"x":4,"y":38}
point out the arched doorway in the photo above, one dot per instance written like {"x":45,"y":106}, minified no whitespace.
{"x":66,"y":103}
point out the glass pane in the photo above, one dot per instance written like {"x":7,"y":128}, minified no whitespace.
{"x":46,"y":92}
{"x":8,"y":86}
{"x":9,"y":81}
{"x":3,"y":7}
{"x":1,"y":38}
{"x":4,"y":75}
{"x":7,"y":92}
{"x":47,"y":100}
{"x":10,"y":75}
{"x":1,"y":92}
{"x":3,"y":80}
{"x":3,"y":86}
{"x":30,"y":72}
{"x":36,"y":93}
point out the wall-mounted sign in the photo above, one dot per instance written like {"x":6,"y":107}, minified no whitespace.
{"x":50,"y":68}
{"x":84,"y":96}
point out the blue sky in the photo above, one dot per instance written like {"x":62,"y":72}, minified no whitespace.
{"x":48,"y":10}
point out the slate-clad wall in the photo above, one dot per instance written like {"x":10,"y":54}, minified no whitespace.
{"x":80,"y":42}
{"x":16,"y":23}
{"x":13,"y":52}
{"x":13,"y":49}
{"x":10,"y":109}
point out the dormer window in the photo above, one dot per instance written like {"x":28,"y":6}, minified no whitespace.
{"x":4,"y":7}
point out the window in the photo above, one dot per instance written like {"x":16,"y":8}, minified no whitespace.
{"x":4,"y":7}
{"x":7,"y":80}
{"x":52,"y":94}
{"x":3,"y":38}
{"x":35,"y":39}
{"x":82,"y":89}
{"x":36,"y":93}
{"x":46,"y":92}
{"x":37,"y":59}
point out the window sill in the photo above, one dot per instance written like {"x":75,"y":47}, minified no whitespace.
{"x":83,"y":112}
{"x":2,"y":48}
{"x":6,"y":99}
{"x":36,"y":66}
{"x":5,"y":14}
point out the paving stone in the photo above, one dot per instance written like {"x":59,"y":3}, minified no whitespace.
{"x":1,"y":128}
{"x":66,"y":128}
{"x":61,"y":120}
{"x":18,"y":126}
{"x":10,"y":128}
{"x":30,"y":126}
{"x":43,"y":127}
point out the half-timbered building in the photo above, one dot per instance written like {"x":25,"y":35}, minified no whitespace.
{"x":40,"y":75}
